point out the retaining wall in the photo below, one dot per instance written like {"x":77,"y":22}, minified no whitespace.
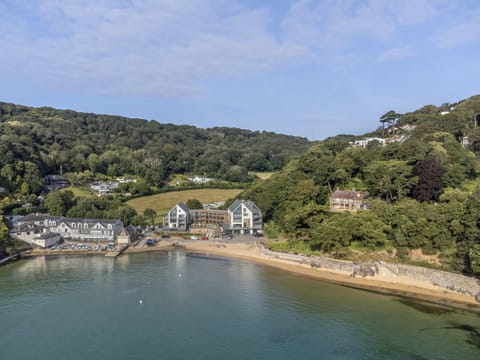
{"x":456,"y":282}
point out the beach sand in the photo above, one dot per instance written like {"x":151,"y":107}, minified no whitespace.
{"x":399,"y":285}
{"x":396,"y":285}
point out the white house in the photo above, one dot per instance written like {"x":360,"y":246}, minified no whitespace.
{"x":199,"y":179}
{"x":77,"y":229}
{"x":365,"y":142}
{"x":127,"y":236}
{"x":104,"y":188}
{"x":242,"y":217}
{"x":178,"y":218}
{"x":245,"y":217}
{"x":45,"y":240}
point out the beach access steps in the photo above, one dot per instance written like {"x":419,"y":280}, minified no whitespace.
{"x":116,"y":253}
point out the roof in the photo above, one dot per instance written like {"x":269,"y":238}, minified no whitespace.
{"x":90,"y":221}
{"x":48,"y":235}
{"x":33,"y":217}
{"x":55,"y":177}
{"x":234,"y":205}
{"x":184,"y":207}
{"x":249,"y":204}
{"x":349,"y":194}
{"x":42,"y":217}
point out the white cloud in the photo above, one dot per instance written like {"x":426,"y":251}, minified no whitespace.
{"x":329,"y":23}
{"x":397,"y":53}
{"x":164,"y":48}
{"x":156,"y":48}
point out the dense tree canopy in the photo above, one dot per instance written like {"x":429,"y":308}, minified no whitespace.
{"x":423,"y":188}
{"x":35,"y":142}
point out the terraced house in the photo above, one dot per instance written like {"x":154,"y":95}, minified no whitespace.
{"x":76,"y":229}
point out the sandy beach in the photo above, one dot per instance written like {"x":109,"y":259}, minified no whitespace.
{"x":399,"y":285}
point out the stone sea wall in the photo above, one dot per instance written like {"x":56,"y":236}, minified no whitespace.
{"x":446,"y":280}
{"x":456,"y":282}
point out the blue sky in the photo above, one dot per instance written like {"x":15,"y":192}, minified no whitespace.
{"x":300,"y":67}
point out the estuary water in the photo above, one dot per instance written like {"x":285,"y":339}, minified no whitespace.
{"x":173,"y":306}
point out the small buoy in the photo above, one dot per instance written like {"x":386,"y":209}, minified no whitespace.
{"x":179,"y":275}
{"x":140,"y":301}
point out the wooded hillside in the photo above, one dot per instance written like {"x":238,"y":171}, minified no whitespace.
{"x":422,"y":178}
{"x":39,"y":141}
{"x":35,"y":142}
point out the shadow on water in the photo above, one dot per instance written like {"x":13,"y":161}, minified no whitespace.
{"x":473,"y":333}
{"x":427,"y":308}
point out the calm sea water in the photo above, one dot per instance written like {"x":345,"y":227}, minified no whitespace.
{"x":173,"y":306}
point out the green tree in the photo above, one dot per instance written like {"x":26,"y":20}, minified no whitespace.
{"x":391,"y":179}
{"x":474,"y":257}
{"x":334,"y":234}
{"x":371,"y":230}
{"x":58,"y":202}
{"x":194,"y":204}
{"x":389,"y":117}
{"x":150,"y":214}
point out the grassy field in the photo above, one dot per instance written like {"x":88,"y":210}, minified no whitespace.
{"x":77,"y":191}
{"x":162,"y":203}
{"x":262,"y":175}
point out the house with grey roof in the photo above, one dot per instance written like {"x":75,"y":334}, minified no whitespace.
{"x":76,"y":229}
{"x":54,"y":182}
{"x":244,"y":217}
{"x":178,"y":218}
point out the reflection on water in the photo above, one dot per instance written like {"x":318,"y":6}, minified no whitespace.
{"x":173,"y":306}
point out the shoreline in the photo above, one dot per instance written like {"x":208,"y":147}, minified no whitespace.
{"x":398,"y":286}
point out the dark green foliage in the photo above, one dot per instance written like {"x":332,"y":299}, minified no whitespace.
{"x":419,"y":190}
{"x":194,"y":204}
{"x":58,"y":202}
{"x":150,"y":214}
{"x":35,"y":142}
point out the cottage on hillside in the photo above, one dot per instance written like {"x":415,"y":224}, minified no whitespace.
{"x":344,"y":200}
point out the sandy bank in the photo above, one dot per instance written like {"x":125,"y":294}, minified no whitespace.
{"x":398,"y":285}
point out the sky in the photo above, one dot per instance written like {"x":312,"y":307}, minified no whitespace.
{"x":311,"y":68}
